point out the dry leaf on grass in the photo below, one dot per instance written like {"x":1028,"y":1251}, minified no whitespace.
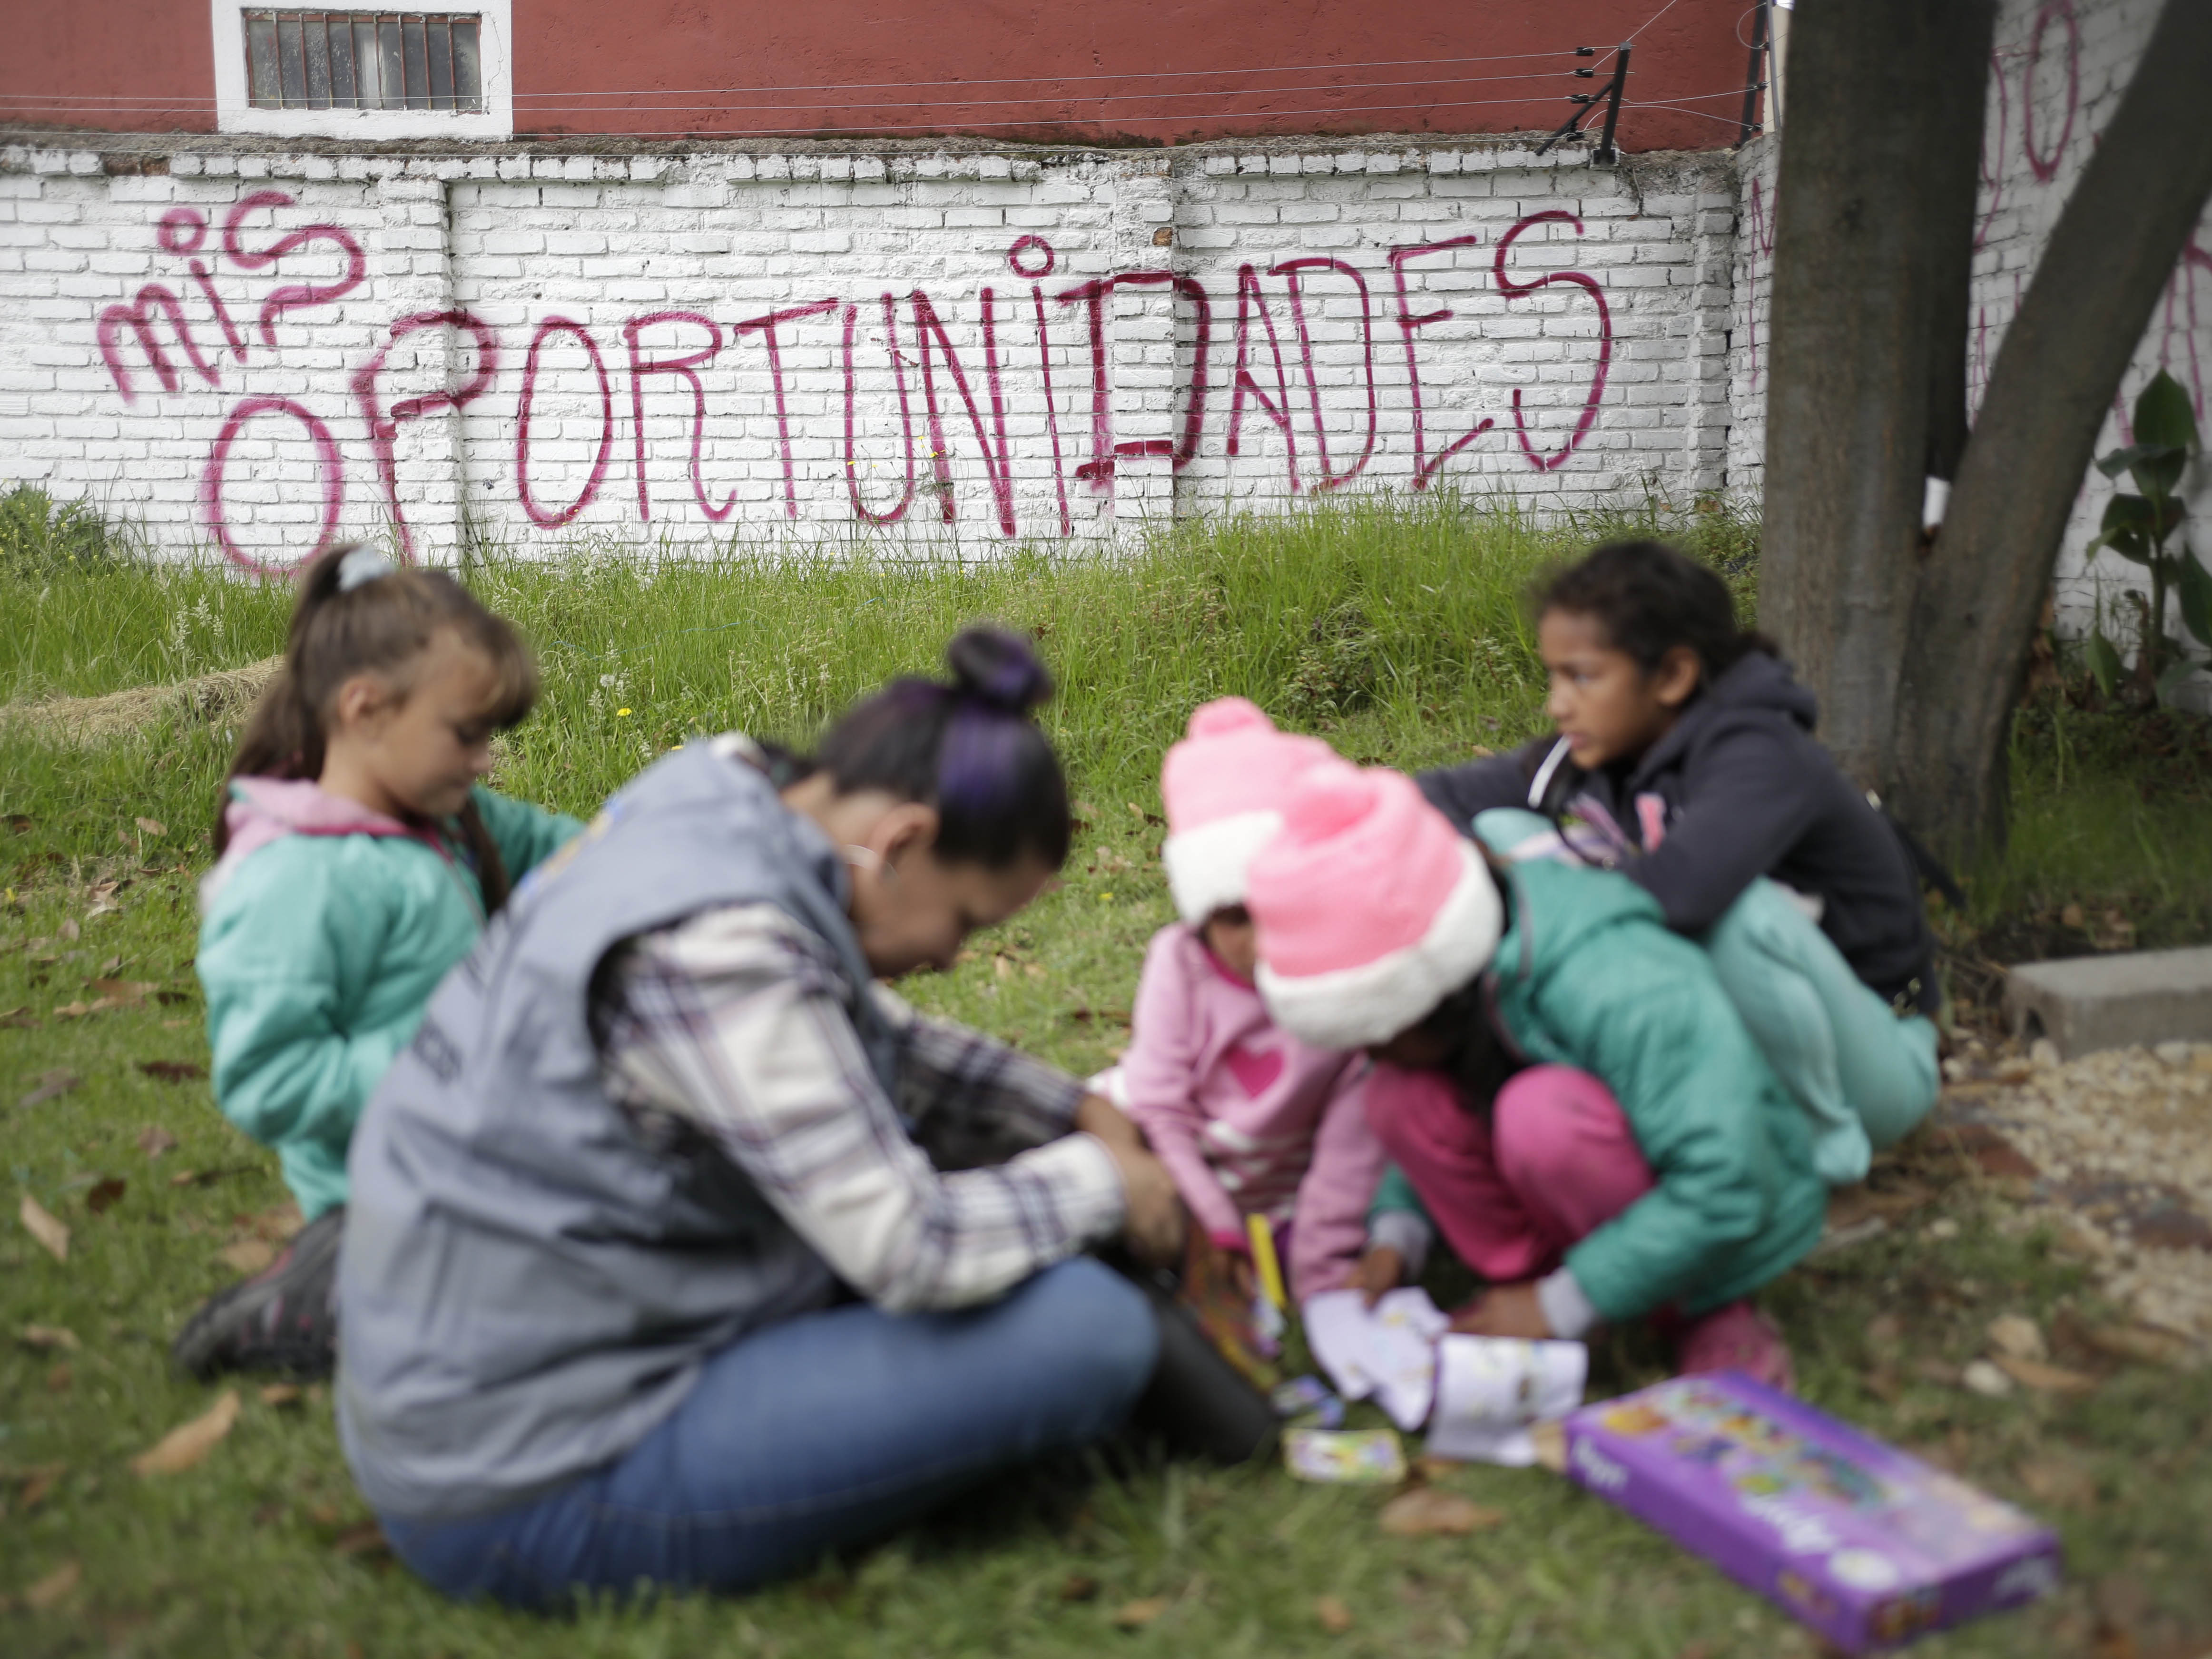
{"x":280,"y":1394}
{"x":54,"y":1589}
{"x":2018,"y":1335}
{"x":105,"y":1194}
{"x":174,"y":1070}
{"x":49,"y":1338}
{"x":1551,"y":1443}
{"x":1426,"y":1511}
{"x":186,"y":1445}
{"x":69,"y":931}
{"x":1335,"y":1617}
{"x":1135,"y":1615}
{"x":122,"y":991}
{"x":153,"y":1140}
{"x":38,"y":1481}
{"x":19,"y":1020}
{"x":2060,"y":1481}
{"x":367,"y":1539}
{"x":42,"y":1224}
{"x":2044,"y":1378}
{"x":153,"y":826}
{"x":249,"y":1256}
{"x":2151,"y":1344}
{"x":51,"y":1086}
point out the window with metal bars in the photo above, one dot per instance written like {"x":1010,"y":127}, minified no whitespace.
{"x":363,"y":60}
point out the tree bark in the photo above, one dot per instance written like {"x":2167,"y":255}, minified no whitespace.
{"x":1872,"y":259}
{"x":1981,"y":585}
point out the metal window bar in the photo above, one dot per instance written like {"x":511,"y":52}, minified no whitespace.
{"x":364,"y":60}
{"x":1762,"y":53}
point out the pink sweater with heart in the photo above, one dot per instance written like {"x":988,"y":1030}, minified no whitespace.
{"x":1248,"y":1119}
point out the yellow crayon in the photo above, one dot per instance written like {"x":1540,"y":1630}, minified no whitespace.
{"x":1263,"y":1260}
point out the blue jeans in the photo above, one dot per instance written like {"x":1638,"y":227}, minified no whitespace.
{"x":826,"y":1431}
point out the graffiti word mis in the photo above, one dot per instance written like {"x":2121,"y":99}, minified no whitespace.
{"x":952,"y":402}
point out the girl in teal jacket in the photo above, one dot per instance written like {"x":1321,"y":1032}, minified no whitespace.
{"x":358,"y":860}
{"x":1563,"y":1081}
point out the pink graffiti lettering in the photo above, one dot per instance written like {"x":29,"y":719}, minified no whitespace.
{"x":1251,"y":301}
{"x":1044,"y":368}
{"x":139,"y":317}
{"x":1991,"y":164}
{"x":1292,"y":269}
{"x":766,"y":325}
{"x":181,"y":230}
{"x":200,"y":274}
{"x":384,"y":429}
{"x":1098,"y":470}
{"x":686,"y":369}
{"x":1035,"y":245}
{"x":329,"y":465}
{"x":890,"y":515}
{"x":1425,"y":469}
{"x":1513,"y":290}
{"x":998,"y":470}
{"x":1762,"y":240}
{"x":2045,"y":166}
{"x":542,"y":517}
{"x":301,"y":295}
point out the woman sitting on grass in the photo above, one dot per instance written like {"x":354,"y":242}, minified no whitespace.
{"x":357,"y":859}
{"x":646,"y":1278}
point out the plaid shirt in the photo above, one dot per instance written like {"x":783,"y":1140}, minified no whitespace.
{"x":734,"y":1022}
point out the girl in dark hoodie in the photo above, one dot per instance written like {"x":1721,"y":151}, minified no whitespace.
{"x":1684,"y":757}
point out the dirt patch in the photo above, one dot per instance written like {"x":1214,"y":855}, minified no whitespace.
{"x":223,"y":698}
{"x":2117,"y":1147}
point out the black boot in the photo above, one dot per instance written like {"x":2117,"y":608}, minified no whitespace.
{"x":283,"y":1319}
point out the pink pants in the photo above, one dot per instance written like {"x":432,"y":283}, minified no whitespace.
{"x":1556,"y":1161}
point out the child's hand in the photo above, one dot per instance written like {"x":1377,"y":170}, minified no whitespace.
{"x":1378,"y":1273}
{"x":1504,"y":1310}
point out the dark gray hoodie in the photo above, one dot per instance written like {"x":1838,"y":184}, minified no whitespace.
{"x":1737,"y":788}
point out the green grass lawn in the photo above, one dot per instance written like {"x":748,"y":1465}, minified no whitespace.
{"x":1400,"y":634}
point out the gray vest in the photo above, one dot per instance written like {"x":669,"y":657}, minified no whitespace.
{"x":530,"y":1279}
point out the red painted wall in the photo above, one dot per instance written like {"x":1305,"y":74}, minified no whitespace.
{"x":995,"y":67}
{"x":119,"y":65}
{"x":1120,"y":71}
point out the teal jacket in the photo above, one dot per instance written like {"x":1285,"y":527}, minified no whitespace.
{"x":1588,"y":975}
{"x":324,"y":929}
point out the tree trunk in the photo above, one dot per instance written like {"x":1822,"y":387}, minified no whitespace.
{"x":1872,"y":255}
{"x":1981,"y":586}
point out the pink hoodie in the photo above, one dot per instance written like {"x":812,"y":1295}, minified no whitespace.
{"x":1248,"y":1120}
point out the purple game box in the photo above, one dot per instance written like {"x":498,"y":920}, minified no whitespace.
{"x":1869,"y":1546}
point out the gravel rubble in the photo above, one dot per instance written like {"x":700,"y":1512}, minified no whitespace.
{"x":2122,"y":1142}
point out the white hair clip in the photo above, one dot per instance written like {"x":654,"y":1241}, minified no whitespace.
{"x":363,"y":564}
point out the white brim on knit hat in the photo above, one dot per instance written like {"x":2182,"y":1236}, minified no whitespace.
{"x":1360,"y":1007}
{"x":1206,"y":867}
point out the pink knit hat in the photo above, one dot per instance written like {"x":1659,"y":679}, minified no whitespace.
{"x":1224,"y":786}
{"x":1371,"y":908}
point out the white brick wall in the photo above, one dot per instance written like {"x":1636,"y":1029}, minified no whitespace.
{"x":1658,"y":270}
{"x":554,"y":260}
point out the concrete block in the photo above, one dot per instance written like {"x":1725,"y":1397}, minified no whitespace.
{"x":2087,"y":1003}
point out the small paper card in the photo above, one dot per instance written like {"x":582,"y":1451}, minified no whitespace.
{"x":1345,"y":1456}
{"x":1491,"y":1388}
{"x":1388,"y":1352}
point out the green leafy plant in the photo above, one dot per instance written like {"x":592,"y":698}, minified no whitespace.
{"x":2139,"y":526}
{"x":40,"y":536}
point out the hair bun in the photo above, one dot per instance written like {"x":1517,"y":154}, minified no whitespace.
{"x":998,"y":666}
